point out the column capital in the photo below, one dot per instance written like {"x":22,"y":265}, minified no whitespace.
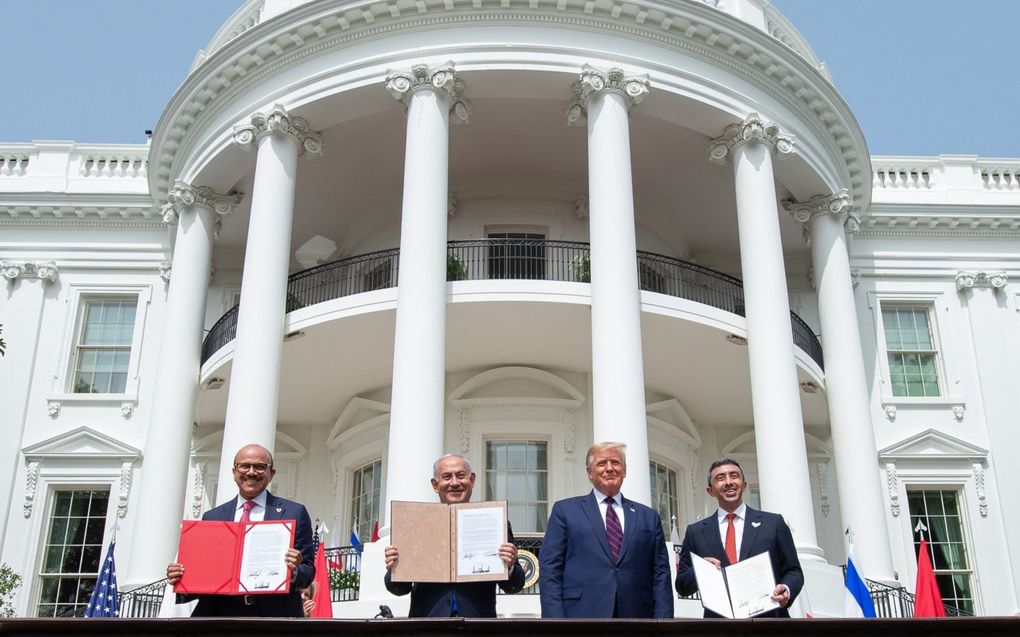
{"x":753,"y":128}
{"x":592,"y":80}
{"x":443,"y":78}
{"x":279,"y":122}
{"x":837,"y":204}
{"x":969,"y":280}
{"x":184,"y":195}
{"x":44,"y":271}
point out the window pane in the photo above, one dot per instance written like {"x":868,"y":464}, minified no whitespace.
{"x":939,"y":511}
{"x":516,"y":472}
{"x":910,"y":347}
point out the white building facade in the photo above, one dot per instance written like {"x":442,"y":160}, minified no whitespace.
{"x":365,"y":234}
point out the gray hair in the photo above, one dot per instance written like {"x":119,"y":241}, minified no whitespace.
{"x":602,"y":446}
{"x":435,"y":465}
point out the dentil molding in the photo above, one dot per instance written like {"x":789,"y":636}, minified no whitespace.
{"x":592,"y":81}
{"x":752,"y":129}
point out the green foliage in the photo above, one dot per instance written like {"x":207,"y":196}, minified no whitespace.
{"x":9,"y":583}
{"x":580,"y":267}
{"x":3,"y":345}
{"x":456,"y":270}
{"x":340,"y":579}
{"x":294,"y":302}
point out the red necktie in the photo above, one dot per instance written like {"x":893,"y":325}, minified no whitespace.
{"x":731,"y":539}
{"x":614,"y":532}
{"x":246,"y":514}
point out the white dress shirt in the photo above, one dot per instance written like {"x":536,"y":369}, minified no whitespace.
{"x":258,"y":512}
{"x":617,"y":506}
{"x":738,"y":524}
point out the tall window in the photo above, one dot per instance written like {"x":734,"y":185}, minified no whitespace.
{"x":103,"y":349}
{"x":913,"y":359}
{"x":664,"y":500}
{"x":939,"y":509}
{"x":73,"y":552}
{"x":367,"y":487}
{"x":517,"y":471}
{"x":516,"y":255}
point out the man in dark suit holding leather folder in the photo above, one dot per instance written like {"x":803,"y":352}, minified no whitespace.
{"x":253,"y":471}
{"x":453,"y":481}
{"x":736,"y":532}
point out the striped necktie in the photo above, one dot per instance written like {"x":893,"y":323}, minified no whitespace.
{"x":614,"y":532}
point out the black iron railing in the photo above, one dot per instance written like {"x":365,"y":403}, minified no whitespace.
{"x":144,"y":601}
{"x":897,"y":602}
{"x":527,"y":259}
{"x":343,"y":564}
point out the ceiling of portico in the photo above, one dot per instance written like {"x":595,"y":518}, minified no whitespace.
{"x":352,"y":193}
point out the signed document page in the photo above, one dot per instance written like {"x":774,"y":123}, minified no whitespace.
{"x":712,"y":586}
{"x":263,"y":557}
{"x":480,"y":529}
{"x":448,"y":543}
{"x":751,"y":583}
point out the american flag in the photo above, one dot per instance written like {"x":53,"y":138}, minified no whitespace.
{"x":104,"y":602}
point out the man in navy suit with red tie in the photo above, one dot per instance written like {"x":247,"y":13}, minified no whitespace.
{"x":604,"y":555}
{"x":737,"y":532}
{"x":253,"y":471}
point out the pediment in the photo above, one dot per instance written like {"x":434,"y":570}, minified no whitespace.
{"x":358,"y":412}
{"x":933,"y":444}
{"x":672,"y":414}
{"x":516,"y":385}
{"x":81,"y":442}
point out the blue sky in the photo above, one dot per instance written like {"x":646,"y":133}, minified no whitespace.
{"x":924,"y":77}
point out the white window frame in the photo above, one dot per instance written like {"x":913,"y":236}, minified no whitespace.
{"x":678,"y":484}
{"x":482,"y":473}
{"x":351,"y":495}
{"x":945,"y":358}
{"x":975,"y":585}
{"x":365,"y":442}
{"x":65,"y":368}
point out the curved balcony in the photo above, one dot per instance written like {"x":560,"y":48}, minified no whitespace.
{"x":528,"y":259}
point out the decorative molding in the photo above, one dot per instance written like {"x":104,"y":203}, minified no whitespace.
{"x":893,"y":485}
{"x":198,"y":471}
{"x":592,"y":80}
{"x":569,"y":436}
{"x":855,"y":277}
{"x":890,"y":412}
{"x":958,"y":412}
{"x":822,"y":476}
{"x":979,"y":487}
{"x":581,"y":208}
{"x":165,"y":270}
{"x":837,"y":204}
{"x":127,"y":408}
{"x":465,"y":431}
{"x":46,"y":271}
{"x":753,"y":128}
{"x":279,"y":122}
{"x":125,"y":489}
{"x":53,"y":408}
{"x":811,"y":269}
{"x":451,"y":206}
{"x":31,"y":484}
{"x":184,"y":195}
{"x":443,"y":78}
{"x":969,"y":280}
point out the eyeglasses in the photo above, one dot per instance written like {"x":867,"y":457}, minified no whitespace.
{"x":245,"y":467}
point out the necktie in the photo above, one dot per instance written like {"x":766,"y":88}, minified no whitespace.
{"x":246,"y":514}
{"x":614,"y":532}
{"x":731,"y":539}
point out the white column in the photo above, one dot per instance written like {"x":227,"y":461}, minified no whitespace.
{"x":783,"y":472}
{"x":603,"y":99}
{"x":417,"y":409}
{"x":21,"y":312}
{"x":197,"y":211}
{"x":258,"y":346}
{"x":853,"y":434}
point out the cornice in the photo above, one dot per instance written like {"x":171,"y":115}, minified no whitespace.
{"x":698,"y":28}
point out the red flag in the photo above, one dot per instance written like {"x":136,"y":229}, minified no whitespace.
{"x":927,"y":598}
{"x":323,"y":603}
{"x":375,"y":532}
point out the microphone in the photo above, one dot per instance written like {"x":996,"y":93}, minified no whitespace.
{"x":384,"y":612}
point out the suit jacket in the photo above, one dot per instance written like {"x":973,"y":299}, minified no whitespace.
{"x":763,"y":531}
{"x":580,"y":579}
{"x":473,"y":599}
{"x":281,"y":605}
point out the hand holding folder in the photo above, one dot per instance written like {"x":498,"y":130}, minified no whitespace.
{"x":235,"y":558}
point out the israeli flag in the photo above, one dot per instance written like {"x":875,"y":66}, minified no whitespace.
{"x":856,"y":597}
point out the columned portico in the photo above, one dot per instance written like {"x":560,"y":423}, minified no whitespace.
{"x":419,"y":350}
{"x":255,"y":376}
{"x":775,"y":395}
{"x":197,"y":211}
{"x":603,"y":99}
{"x":853,"y":435}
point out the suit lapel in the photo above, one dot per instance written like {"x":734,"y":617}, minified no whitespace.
{"x":629,"y":526}
{"x":710,"y":529}
{"x":271,"y":508}
{"x":752,"y":525}
{"x":591,"y":509}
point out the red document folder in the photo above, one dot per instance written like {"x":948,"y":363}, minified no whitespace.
{"x":211,"y":553}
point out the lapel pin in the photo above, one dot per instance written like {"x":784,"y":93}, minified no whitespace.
{"x":279,"y":509}
{"x":755,"y":524}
